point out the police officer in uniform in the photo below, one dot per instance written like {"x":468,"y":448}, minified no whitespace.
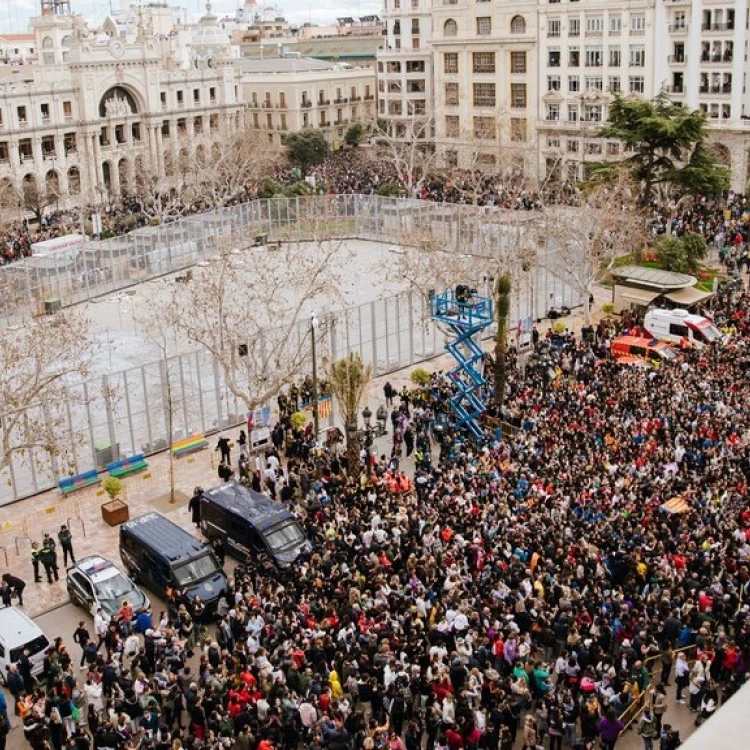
{"x":35,"y":561}
{"x":48,"y":556}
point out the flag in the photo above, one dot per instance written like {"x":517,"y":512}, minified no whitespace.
{"x":676,"y":505}
{"x":325,"y":406}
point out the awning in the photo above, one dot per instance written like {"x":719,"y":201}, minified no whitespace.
{"x":688,"y":296}
{"x":639,"y":296}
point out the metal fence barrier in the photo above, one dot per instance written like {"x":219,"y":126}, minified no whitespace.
{"x":389,"y":333}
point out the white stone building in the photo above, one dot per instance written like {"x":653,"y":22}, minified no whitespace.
{"x":96,"y":109}
{"x":287,"y":94}
{"x":405,"y":70}
{"x":531,"y":83}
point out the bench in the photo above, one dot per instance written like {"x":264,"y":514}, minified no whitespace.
{"x":79,"y":481}
{"x":126,"y":466}
{"x":189,"y":445}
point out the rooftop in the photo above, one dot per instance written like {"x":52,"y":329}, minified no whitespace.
{"x":655,"y":278}
{"x":255,"y":65}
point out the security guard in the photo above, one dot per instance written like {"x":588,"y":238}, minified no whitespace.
{"x":48,"y":556}
{"x":35,"y":561}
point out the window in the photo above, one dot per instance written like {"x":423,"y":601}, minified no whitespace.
{"x":517,"y":62}
{"x":574,"y":27}
{"x":613,"y":149}
{"x":518,"y":25}
{"x":518,"y":128}
{"x":553,"y":112}
{"x":574,"y":84}
{"x":615,"y":56}
{"x":572,"y":113}
{"x":484,"y":26}
{"x":518,"y":95}
{"x":412,"y":66}
{"x":415,"y":26}
{"x":212,"y":94}
{"x":485,"y":128}
{"x":614,"y":84}
{"x":282,"y":100}
{"x":21,"y":115}
{"x":574,"y":57}
{"x":615,"y":24}
{"x":4,"y":151}
{"x":637,"y":55}
{"x":452,"y":126}
{"x":592,"y":113}
{"x":594,"y":82}
{"x":593,"y":149}
{"x":45,"y":111}
{"x":416,"y":87}
{"x":553,"y":27}
{"x":637,"y":84}
{"x":67,"y":110}
{"x":572,"y":147}
{"x":450,"y":62}
{"x":450,"y":28}
{"x":594,"y":25}
{"x":594,"y":57}
{"x":553,"y":143}
{"x":196,"y":96}
{"x":135,"y":131}
{"x":553,"y":83}
{"x":397,"y":28}
{"x":637,"y":24}
{"x":484,"y":62}
{"x":553,"y":57}
{"x":484,"y":94}
{"x":180,"y":97}
{"x":451,"y":93}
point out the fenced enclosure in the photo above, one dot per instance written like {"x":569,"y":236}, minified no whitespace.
{"x":146,"y":408}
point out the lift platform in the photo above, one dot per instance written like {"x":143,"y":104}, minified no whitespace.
{"x":467,"y":315}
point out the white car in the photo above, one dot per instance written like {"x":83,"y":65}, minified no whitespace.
{"x":19,"y":632}
{"x":95,"y":582}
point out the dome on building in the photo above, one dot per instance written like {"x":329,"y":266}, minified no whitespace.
{"x":209,"y":39}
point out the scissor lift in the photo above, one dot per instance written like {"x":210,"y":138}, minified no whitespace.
{"x":466,"y":314}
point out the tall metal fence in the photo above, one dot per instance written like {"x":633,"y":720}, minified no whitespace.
{"x":133,"y":410}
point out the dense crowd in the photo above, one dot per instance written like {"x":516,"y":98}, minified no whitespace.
{"x":521,"y":591}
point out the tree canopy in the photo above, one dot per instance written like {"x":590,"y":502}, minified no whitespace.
{"x":307,"y":148}
{"x":668,"y":146}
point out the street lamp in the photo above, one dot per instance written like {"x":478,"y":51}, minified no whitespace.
{"x":367,"y":416}
{"x":313,"y":326}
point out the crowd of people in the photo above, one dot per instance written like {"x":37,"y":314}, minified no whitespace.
{"x":524,"y":591}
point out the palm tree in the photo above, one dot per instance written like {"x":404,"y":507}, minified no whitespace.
{"x":502,"y":309}
{"x":349,"y":378}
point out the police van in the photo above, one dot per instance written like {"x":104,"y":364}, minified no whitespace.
{"x":163,"y":556}
{"x":252,"y":526}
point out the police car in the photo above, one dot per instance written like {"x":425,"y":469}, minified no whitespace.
{"x":95,"y":582}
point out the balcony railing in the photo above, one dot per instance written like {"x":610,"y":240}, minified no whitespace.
{"x":679,"y":59}
{"x":306,"y":104}
{"x":717,"y":27}
{"x":675,"y":89}
{"x":369,"y":97}
{"x":678,"y":28}
{"x":340,"y":100}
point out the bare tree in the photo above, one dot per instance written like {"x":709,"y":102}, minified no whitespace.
{"x":40,"y":359}
{"x":409,"y":151}
{"x":248,"y":309}
{"x":586,"y":240}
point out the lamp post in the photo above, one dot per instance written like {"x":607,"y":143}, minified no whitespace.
{"x":313,"y":326}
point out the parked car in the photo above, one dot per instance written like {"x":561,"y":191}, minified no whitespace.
{"x":17,"y":633}
{"x":95,"y":582}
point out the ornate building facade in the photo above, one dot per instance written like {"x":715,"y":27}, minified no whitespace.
{"x":96,"y":110}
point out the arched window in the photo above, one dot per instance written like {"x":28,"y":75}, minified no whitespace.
{"x":518,"y":25}
{"x":66,"y":40}
{"x":47,"y":42}
{"x":450,"y":28}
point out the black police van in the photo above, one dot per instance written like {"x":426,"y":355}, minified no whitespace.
{"x":252,"y":526}
{"x":164,"y":556}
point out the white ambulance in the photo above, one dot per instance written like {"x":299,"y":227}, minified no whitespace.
{"x":682,"y":328}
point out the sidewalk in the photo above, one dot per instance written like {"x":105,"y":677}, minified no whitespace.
{"x":27,"y":520}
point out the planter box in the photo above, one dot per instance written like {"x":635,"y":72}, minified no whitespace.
{"x":115,"y":512}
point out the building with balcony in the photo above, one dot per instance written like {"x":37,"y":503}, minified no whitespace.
{"x":288,"y":94}
{"x":405,"y":71}
{"x":485,"y":65}
{"x":95,"y":111}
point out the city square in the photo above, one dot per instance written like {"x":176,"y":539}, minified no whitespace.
{"x":377,"y":383}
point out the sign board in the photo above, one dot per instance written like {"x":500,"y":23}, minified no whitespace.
{"x":47,"y":247}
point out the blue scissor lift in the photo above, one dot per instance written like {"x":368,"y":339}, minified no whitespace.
{"x":466,"y":315}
